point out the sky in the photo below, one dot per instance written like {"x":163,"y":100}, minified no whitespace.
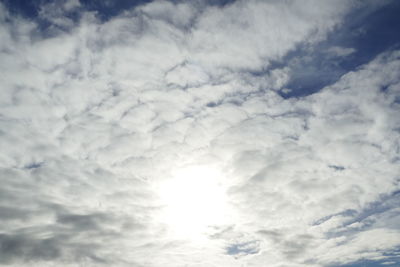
{"x":200,"y":133}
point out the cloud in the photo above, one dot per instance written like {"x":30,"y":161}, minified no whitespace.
{"x":96,"y":115}
{"x":340,"y":51}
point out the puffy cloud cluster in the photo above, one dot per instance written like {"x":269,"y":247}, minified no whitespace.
{"x":94,"y":116}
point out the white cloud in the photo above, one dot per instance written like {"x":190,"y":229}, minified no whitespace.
{"x":341,"y":51}
{"x":95,"y":116}
{"x":250,"y":33}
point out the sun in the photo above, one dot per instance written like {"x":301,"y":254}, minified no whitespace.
{"x":194,"y":200}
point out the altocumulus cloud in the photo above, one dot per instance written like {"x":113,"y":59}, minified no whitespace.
{"x":96,"y":115}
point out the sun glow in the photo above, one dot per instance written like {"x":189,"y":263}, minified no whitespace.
{"x":194,"y":201}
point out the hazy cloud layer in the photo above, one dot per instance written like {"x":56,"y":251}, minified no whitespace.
{"x":96,"y":115}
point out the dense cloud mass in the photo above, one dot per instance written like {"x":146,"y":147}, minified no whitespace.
{"x":97,"y":117}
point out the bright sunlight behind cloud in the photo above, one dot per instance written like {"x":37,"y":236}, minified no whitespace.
{"x":195,"y":199}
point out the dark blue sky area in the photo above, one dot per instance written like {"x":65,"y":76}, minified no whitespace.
{"x":368,"y":33}
{"x":105,"y":9}
{"x":366,"y":263}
